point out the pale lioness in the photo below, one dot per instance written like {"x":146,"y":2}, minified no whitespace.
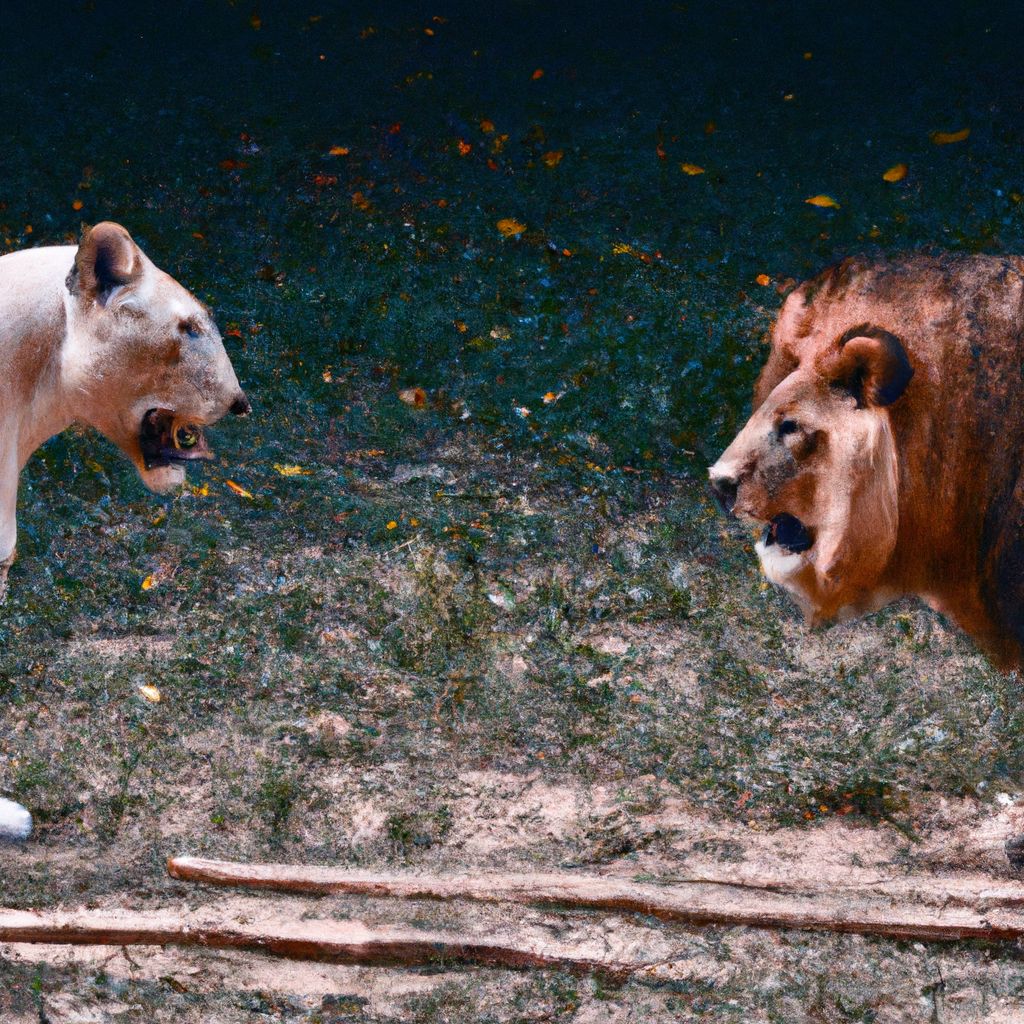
{"x":883,"y":455}
{"x":98,"y":335}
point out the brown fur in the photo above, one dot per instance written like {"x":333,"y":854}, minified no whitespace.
{"x":933,"y":504}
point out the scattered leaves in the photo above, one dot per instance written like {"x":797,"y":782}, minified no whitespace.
{"x":945,"y":138}
{"x":823,"y":201}
{"x":292,"y":470}
{"x":509,"y":227}
{"x":416,"y":397}
{"x":691,"y":169}
{"x":238,"y":489}
{"x":895,"y":173}
{"x":464,"y":147}
{"x":552,"y":158}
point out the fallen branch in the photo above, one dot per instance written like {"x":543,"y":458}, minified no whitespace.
{"x":932,"y":910}
{"x":337,"y":942}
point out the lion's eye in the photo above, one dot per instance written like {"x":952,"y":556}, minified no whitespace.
{"x":190,"y":329}
{"x":788,"y":427}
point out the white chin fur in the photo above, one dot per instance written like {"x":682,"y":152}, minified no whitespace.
{"x":15,"y":821}
{"x":164,"y":478}
{"x":778,"y":565}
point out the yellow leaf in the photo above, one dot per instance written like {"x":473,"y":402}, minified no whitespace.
{"x":416,"y":397}
{"x":149,"y":582}
{"x":550,"y":397}
{"x":292,"y":470}
{"x":622,"y":249}
{"x":552,"y":158}
{"x":895,"y":173}
{"x":487,"y":127}
{"x":823,"y":200}
{"x":509,"y":227}
{"x":150,"y":692}
{"x":392,"y":525}
{"x":339,"y":151}
{"x":238,"y":489}
{"x":945,"y":138}
{"x":691,"y":169}
{"x":763,"y":280}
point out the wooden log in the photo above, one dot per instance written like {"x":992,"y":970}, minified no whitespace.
{"x":325,"y":941}
{"x":923,"y":909}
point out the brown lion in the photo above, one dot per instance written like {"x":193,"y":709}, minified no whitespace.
{"x":883,"y":453}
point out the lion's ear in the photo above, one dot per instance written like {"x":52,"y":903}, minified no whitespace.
{"x":870,"y":364}
{"x":107,"y":260}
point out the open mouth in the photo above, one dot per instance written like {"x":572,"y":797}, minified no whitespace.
{"x":165,"y":439}
{"x":788,"y":532}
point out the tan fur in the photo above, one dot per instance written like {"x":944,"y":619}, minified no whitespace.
{"x":907,"y":487}
{"x":98,"y":335}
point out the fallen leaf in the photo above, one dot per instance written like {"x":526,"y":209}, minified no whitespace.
{"x":77,"y":204}
{"x":691,"y":169}
{"x":509,"y":227}
{"x":151,"y":693}
{"x":895,"y":173}
{"x":325,"y":179}
{"x":149,"y":582}
{"x":416,"y":397}
{"x":550,"y":397}
{"x":464,"y":148}
{"x":945,"y":138}
{"x":823,"y":200}
{"x":238,"y":489}
{"x":292,"y":470}
{"x":763,"y":280}
{"x":552,"y":158}
{"x":539,"y":73}
{"x":339,"y":151}
{"x":487,"y":127}
{"x":360,"y":202}
{"x":392,"y":525}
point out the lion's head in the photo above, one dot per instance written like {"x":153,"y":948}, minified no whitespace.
{"x":816,"y":465}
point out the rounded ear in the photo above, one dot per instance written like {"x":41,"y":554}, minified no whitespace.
{"x":107,"y":259}
{"x":870,"y":364}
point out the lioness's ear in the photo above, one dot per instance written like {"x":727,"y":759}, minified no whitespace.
{"x":871,"y":364}
{"x":107,"y":259}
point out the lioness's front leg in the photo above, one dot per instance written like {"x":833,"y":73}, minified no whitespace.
{"x":8,"y":513}
{"x":4,"y":566}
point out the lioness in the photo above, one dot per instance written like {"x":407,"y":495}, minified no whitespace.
{"x":883,"y":455}
{"x":98,"y":335}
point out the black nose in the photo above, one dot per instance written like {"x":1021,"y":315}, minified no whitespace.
{"x":240,"y":406}
{"x":724,"y":489}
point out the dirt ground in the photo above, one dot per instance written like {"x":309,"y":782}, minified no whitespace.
{"x":495,"y":624}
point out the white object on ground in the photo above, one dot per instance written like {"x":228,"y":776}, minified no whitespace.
{"x":15,"y":821}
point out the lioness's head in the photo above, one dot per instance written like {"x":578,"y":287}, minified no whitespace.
{"x":816,"y":465}
{"x":143,"y":360}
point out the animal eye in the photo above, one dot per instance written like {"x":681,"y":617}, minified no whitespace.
{"x":190,"y":330}
{"x":788,"y":427}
